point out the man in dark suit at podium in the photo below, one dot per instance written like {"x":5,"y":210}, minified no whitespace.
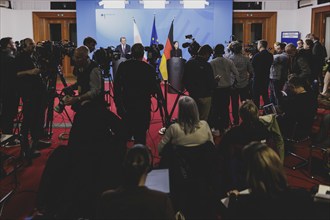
{"x":123,"y":48}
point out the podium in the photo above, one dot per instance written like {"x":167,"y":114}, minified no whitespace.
{"x":175,"y":68}
{"x":115,"y":64}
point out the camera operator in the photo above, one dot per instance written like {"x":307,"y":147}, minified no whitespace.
{"x":134,"y":83}
{"x":33,"y":92}
{"x":123,"y":48}
{"x":90,"y":43}
{"x":89,"y":105}
{"x":8,"y":80}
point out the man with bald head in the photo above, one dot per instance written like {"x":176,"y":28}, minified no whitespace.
{"x":89,"y":102}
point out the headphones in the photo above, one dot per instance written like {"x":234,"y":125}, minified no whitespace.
{"x":136,"y":151}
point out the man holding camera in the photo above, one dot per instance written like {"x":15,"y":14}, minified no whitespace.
{"x":89,"y":104}
{"x":8,"y":80}
{"x":33,"y":92}
{"x":134,"y":83}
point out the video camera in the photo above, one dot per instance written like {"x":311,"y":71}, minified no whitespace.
{"x":193,"y":46}
{"x":67,"y":91}
{"x":251,"y":49}
{"x":104,"y":56}
{"x":153,"y":52}
{"x":51,"y":53}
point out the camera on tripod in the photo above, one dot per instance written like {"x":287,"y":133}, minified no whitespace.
{"x":51,"y":53}
{"x":251,"y":49}
{"x":192,"y":46}
{"x":153,"y":52}
{"x":104,"y":56}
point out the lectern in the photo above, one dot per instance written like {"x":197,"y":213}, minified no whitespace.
{"x":175,"y":68}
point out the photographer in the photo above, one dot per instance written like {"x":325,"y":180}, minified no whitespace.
{"x":134,"y":83}
{"x":8,"y":80}
{"x":33,"y":92}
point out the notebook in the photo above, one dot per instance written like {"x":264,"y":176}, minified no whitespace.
{"x":158,"y":180}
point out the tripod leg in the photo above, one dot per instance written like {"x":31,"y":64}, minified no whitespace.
{"x":67,"y":115}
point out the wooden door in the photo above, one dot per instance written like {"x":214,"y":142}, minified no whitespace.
{"x":57,"y":27}
{"x":321,"y":24}
{"x":251,"y":27}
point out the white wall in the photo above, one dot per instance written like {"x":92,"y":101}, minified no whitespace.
{"x":304,"y":21}
{"x":16,"y":24}
{"x":327,"y":36}
{"x":286,"y":21}
{"x":294,"y":20}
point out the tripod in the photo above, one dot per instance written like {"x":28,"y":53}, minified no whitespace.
{"x":3,"y":157}
{"x":51,"y":85}
{"x":162,"y":105}
{"x":106,"y":75}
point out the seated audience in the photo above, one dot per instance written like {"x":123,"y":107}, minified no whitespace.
{"x":252,"y":128}
{"x":299,"y":109}
{"x":322,"y":138}
{"x":187,"y":149}
{"x":270,"y":196}
{"x":189,"y":131}
{"x":133,"y":200}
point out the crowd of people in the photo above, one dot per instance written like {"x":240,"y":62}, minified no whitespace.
{"x":250,"y":154}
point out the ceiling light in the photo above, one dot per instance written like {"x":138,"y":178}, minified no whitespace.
{"x":113,"y":3}
{"x":194,"y":3}
{"x":154,"y":3}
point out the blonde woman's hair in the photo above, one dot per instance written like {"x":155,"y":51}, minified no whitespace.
{"x":188,"y":114}
{"x":265,"y":173}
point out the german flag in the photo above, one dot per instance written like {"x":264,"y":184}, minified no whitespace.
{"x":166,"y":54}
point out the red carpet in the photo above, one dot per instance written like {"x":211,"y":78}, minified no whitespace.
{"x":26,"y":179}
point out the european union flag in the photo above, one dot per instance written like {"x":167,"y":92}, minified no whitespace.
{"x":154,"y":36}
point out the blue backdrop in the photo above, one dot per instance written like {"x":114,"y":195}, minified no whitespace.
{"x":211,"y":25}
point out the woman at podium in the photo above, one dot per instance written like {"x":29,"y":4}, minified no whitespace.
{"x":176,"y":52}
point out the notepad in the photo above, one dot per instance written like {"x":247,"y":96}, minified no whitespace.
{"x":5,"y":137}
{"x":158,"y":180}
{"x":225,"y":201}
{"x":323,"y":193}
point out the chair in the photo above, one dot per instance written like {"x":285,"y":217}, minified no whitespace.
{"x":323,"y":143}
{"x":193,"y":178}
{"x":300,"y":135}
{"x":325,"y":157}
